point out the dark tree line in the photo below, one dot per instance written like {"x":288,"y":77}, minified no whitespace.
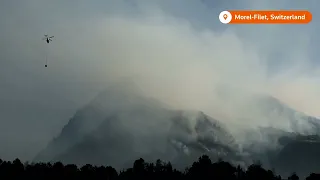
{"x":203,"y":169}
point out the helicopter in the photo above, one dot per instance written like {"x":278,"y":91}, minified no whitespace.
{"x":47,"y":38}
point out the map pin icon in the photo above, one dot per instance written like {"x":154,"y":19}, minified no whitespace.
{"x":225,"y":16}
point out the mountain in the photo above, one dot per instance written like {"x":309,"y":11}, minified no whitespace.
{"x":121,"y":125}
{"x":255,"y":109}
{"x":299,"y":155}
{"x":289,"y":143}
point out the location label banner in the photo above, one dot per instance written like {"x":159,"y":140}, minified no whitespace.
{"x":265,"y":17}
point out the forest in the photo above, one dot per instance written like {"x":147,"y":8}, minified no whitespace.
{"x":203,"y":169}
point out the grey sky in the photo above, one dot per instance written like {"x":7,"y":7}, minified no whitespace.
{"x":166,"y":46}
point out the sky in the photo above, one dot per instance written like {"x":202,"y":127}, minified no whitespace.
{"x":177,"y":51}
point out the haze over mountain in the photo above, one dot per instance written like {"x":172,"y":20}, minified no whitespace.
{"x":140,"y":125}
{"x":121,"y":124}
{"x":257,"y":82}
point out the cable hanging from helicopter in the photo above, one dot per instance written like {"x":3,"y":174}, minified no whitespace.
{"x":48,"y":39}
